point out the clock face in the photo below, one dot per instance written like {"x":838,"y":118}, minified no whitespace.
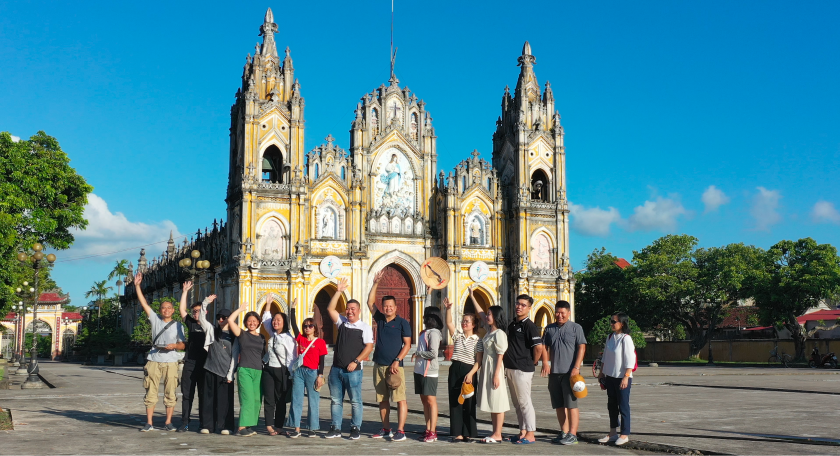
{"x":479,"y":271}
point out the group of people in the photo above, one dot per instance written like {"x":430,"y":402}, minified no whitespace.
{"x":284,"y":368}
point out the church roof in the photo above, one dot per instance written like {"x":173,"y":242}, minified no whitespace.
{"x":52,"y":298}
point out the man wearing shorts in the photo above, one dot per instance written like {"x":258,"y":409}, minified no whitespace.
{"x":566,"y":343}
{"x":393,"y":340}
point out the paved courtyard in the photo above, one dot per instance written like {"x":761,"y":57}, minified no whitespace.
{"x":97,"y":409}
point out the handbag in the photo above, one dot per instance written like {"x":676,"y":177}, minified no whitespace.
{"x":154,"y":341}
{"x":299,"y":361}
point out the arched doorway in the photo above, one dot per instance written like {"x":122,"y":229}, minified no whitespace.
{"x":68,"y":342}
{"x":396,"y":282}
{"x":322,"y":319}
{"x":275,"y":309}
{"x":543,"y":317}
{"x":483,"y":300}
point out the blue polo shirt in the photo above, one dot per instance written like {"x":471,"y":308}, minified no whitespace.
{"x":389,"y":338}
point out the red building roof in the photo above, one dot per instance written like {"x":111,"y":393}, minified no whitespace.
{"x":50,"y":298}
{"x":71,"y":315}
{"x":622,"y":263}
{"x":827,"y":315}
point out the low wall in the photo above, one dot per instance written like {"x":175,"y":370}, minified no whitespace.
{"x":735,"y":350}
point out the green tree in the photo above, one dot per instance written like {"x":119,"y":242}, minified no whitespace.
{"x":99,"y":290}
{"x":119,"y":272}
{"x":795,"y":276}
{"x":43,"y":199}
{"x":602,"y":329}
{"x":599,"y":288}
{"x":723,"y":277}
{"x":663,"y":279}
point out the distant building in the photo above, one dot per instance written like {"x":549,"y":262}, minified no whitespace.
{"x":52,"y":321}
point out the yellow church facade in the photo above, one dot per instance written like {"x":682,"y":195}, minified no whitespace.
{"x":296,"y":219}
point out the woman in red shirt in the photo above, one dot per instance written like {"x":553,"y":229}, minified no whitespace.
{"x":309,"y":376}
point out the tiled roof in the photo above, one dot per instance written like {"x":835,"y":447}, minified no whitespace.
{"x":71,"y":315}
{"x":52,"y":298}
{"x":622,"y":263}
{"x":827,"y":315}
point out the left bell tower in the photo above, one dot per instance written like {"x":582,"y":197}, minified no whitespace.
{"x":266,"y":154}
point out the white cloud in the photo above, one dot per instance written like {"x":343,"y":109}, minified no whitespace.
{"x":825,"y":212}
{"x":765,"y":208}
{"x":593,"y":221}
{"x":112,"y":232}
{"x":661,"y":215}
{"x":713,"y":198}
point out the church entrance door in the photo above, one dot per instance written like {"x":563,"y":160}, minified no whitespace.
{"x":396,"y":282}
{"x":322,"y":318}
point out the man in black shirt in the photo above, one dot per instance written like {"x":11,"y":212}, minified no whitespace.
{"x":193,"y":374}
{"x":524,"y":351}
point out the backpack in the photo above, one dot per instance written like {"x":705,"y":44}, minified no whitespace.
{"x":636,"y":366}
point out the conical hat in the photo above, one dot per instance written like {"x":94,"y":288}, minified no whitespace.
{"x":578,"y":380}
{"x":435,"y":273}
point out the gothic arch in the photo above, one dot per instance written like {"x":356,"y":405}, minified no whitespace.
{"x":330,"y":220}
{"x":271,"y":299}
{"x":271,"y":242}
{"x":537,"y":254}
{"x":411,"y":266}
{"x":483,"y":288}
{"x":542,"y":314}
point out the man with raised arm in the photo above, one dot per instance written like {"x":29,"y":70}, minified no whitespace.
{"x":162,"y":362}
{"x":393,"y":341}
{"x":192,"y":376}
{"x":354,"y":343}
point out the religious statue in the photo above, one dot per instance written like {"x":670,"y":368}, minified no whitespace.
{"x":392,"y":176}
{"x":327,"y":225}
{"x":475,"y":232}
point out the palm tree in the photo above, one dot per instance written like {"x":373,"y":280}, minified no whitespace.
{"x":99,"y":290}
{"x":120,"y":271}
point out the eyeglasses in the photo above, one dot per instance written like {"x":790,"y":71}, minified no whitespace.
{"x":614,"y":321}
{"x":308,"y":326}
{"x":519,"y":304}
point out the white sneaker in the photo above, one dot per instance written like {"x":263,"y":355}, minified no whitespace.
{"x":225,"y":432}
{"x":620,"y":441}
{"x":608,"y":439}
{"x":205,"y":431}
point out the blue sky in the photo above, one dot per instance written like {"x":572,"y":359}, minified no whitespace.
{"x":716,"y":119}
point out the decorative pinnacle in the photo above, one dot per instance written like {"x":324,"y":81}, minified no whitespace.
{"x":526,"y":49}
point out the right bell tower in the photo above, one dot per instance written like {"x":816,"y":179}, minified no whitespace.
{"x":529,"y":155}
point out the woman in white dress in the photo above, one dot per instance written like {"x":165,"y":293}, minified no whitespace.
{"x":492,"y":388}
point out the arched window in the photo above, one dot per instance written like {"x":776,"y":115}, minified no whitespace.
{"x":463,"y":183}
{"x":489,"y":185}
{"x":540,"y":187}
{"x":272,"y":165}
{"x":316,"y":170}
{"x":342,"y":173}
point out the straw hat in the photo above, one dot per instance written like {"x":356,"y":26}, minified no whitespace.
{"x":435,"y":273}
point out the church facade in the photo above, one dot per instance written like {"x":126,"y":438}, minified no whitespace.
{"x":381,"y":204}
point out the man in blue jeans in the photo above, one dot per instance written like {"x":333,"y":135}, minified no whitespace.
{"x":355,"y":342}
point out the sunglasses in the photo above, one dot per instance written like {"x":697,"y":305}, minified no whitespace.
{"x":614,"y":321}
{"x":308,"y":326}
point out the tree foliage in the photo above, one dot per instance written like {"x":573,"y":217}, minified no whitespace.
{"x":602,"y":329}
{"x":795,"y":276}
{"x":43,"y":199}
{"x":599,"y":288}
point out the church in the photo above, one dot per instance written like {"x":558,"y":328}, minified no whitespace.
{"x":297,"y":218}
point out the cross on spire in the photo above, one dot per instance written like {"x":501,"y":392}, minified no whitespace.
{"x":329,"y":140}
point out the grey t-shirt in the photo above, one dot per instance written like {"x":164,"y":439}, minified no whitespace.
{"x":563,"y":341}
{"x":173,"y":334}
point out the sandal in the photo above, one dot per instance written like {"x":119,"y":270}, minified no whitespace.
{"x":524,"y":441}
{"x":272,"y":432}
{"x":489,"y":440}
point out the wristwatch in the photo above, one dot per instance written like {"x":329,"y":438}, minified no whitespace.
{"x":356,"y":361}
{"x":397,"y":360}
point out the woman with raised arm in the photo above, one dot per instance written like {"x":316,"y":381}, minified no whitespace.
{"x":276,"y":381}
{"x":308,"y":375}
{"x":218,"y":378}
{"x":491,"y":393}
{"x":251,"y":346}
{"x":466,"y":359}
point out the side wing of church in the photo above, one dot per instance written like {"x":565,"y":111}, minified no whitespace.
{"x":379,"y":205}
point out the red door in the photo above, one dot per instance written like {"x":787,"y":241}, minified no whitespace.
{"x":395,"y":283}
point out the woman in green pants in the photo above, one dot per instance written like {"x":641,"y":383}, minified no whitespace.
{"x":251,"y":350}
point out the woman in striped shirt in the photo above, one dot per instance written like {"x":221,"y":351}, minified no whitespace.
{"x":464,"y":366}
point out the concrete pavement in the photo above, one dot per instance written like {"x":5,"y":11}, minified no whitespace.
{"x":712,"y":409}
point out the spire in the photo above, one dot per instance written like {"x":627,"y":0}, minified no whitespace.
{"x":527,"y":78}
{"x":170,"y":246}
{"x":267,"y":31}
{"x":287,"y":61}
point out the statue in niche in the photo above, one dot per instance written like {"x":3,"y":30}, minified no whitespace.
{"x":271,"y":241}
{"x":391,"y":177}
{"x":328,"y":225}
{"x":475,"y":232}
{"x":540,"y":252}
